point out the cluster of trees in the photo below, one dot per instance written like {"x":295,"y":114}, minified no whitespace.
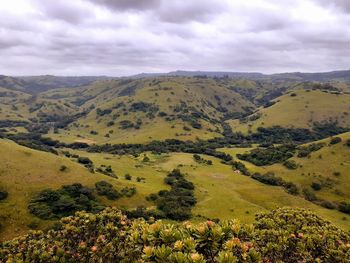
{"x":278,"y":134}
{"x":106,"y":170}
{"x":169,"y":145}
{"x":269,"y":155}
{"x":309,"y":195}
{"x":290,"y":164}
{"x":106,"y":189}
{"x":305,"y":151}
{"x":177,"y":202}
{"x":282,"y":235}
{"x":50,"y":204}
{"x":199,"y":159}
{"x":271,"y":179}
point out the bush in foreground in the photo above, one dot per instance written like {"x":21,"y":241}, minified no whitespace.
{"x":283,"y":235}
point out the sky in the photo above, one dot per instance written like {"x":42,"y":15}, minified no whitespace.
{"x":125,"y":37}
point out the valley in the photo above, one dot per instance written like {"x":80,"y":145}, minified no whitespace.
{"x":132,"y":132}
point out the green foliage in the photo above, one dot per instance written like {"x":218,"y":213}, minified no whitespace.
{"x":268,"y":178}
{"x":335,"y":140}
{"x":290,"y":164}
{"x":199,"y":159}
{"x":344,"y":207}
{"x":283,"y":235}
{"x":271,"y":179}
{"x":3,"y":195}
{"x":305,"y":151}
{"x":268,"y":156}
{"x":84,"y":160}
{"x":176,"y":203}
{"x":50,"y":204}
{"x":106,"y":189}
{"x":63,"y":168}
{"x":107,"y":170}
{"x":126,"y":124}
{"x":101,"y":113}
{"x":316,"y":186}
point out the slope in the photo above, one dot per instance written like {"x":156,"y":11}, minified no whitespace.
{"x":299,"y":109}
{"x":150,"y":109}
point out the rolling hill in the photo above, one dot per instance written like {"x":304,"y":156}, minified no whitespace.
{"x":220,"y":192}
{"x":299,"y":109}
{"x":66,"y":115}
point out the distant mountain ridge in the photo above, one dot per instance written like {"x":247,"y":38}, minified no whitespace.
{"x":37,"y":84}
{"x":343,"y":75}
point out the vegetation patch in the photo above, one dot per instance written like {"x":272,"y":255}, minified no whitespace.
{"x":3,"y":195}
{"x":199,"y":159}
{"x":282,"y":235}
{"x":51,"y":204}
{"x":268,"y":156}
{"x":176,"y":203}
{"x":305,"y":151}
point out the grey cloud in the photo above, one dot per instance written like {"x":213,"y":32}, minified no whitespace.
{"x":342,"y":4}
{"x":86,"y":37}
{"x":121,"y":5}
{"x":184,"y":11}
{"x":69,"y":11}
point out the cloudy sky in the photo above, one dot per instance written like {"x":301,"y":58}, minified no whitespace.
{"x":122,"y":37}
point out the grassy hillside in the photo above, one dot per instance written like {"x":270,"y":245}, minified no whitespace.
{"x":220,"y":192}
{"x":25,"y":172}
{"x":299,"y":109}
{"x":327,"y":167}
{"x":182,"y":108}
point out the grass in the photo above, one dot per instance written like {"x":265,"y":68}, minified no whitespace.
{"x":320,"y":167}
{"x":167,"y":93}
{"x":221,"y":193}
{"x":300,"y":111}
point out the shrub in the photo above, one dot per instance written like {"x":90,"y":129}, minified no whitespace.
{"x":176,"y":203}
{"x":335,"y":140}
{"x":305,"y":151}
{"x":316,"y":186}
{"x":126,"y":124}
{"x":268,"y":156}
{"x":348,"y":143}
{"x":309,"y":195}
{"x":268,"y":178}
{"x":49,"y":204}
{"x":84,"y":160}
{"x":145,"y":159}
{"x":328,"y":204}
{"x":344,"y":207}
{"x":282,"y":235}
{"x":63,"y":168}
{"x":110,"y":123}
{"x":128,"y":191}
{"x":127,"y":177}
{"x":3,"y":195}
{"x":290,"y":164}
{"x":199,"y":159}
{"x":106,"y":189}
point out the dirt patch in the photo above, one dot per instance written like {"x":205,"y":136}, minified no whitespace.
{"x":218,"y":176}
{"x":87,"y":141}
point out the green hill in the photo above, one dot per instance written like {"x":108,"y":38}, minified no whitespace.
{"x":149,"y":109}
{"x":113,"y":113}
{"x":220,"y":192}
{"x":299,"y":109}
